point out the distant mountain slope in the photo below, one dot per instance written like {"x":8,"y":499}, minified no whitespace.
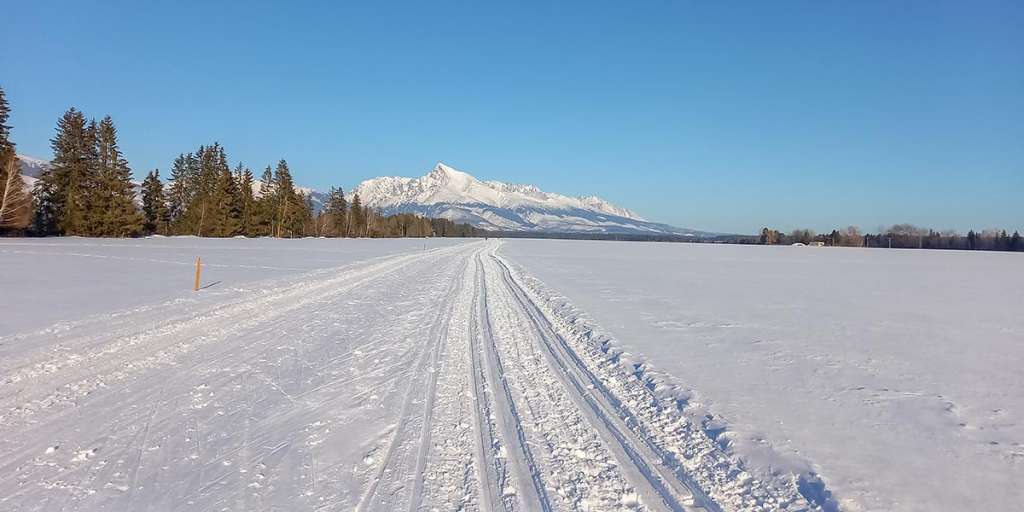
{"x":31,"y":168}
{"x":448,"y":193}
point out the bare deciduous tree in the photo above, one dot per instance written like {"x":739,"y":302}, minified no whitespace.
{"x":15,"y":201}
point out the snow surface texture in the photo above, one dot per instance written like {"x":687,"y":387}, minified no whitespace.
{"x":437,"y":378}
{"x":448,"y":193}
{"x":894,"y":375}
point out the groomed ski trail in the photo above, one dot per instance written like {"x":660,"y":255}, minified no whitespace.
{"x":434,"y":380}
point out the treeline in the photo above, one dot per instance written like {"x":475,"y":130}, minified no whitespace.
{"x":898,"y":236}
{"x":87,"y":191}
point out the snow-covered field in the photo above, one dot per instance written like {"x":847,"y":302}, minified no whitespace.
{"x":47,"y":280}
{"x":487,"y":375}
{"x":898,"y":376}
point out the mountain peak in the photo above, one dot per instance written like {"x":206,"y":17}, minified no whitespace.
{"x":445,"y":176}
{"x":452,"y":194}
{"x":443,"y":168}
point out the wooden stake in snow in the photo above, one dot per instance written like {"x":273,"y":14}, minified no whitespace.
{"x":199,"y":270}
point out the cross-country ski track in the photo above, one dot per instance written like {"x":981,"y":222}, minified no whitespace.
{"x":429,"y":380}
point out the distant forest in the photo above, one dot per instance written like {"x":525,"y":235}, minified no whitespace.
{"x":87,"y":191}
{"x":898,"y":236}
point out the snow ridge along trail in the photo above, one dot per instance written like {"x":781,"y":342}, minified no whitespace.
{"x":433,"y":380}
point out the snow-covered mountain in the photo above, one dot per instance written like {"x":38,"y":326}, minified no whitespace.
{"x":31,"y":168}
{"x":448,"y":193}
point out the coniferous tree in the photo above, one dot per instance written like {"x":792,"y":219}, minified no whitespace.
{"x":290,"y":207}
{"x":156,"y":215}
{"x":111,"y":195}
{"x":6,"y":146}
{"x":309,"y":221}
{"x":244,"y":179}
{"x":265,"y":206}
{"x":335,"y":212}
{"x":203,"y":170}
{"x":356,"y":221}
{"x":227,"y":204}
{"x":15,"y":200}
{"x":62,"y":190}
{"x":179,"y":193}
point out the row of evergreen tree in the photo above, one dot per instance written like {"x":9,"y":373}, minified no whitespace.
{"x":898,"y":236}
{"x":87,"y":191}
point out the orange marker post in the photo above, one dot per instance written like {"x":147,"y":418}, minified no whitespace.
{"x":199,"y":270}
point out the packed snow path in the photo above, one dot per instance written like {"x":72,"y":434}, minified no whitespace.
{"x":432,"y":380}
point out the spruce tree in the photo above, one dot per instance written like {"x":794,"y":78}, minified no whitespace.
{"x":263,"y":224}
{"x":226,"y":203}
{"x":156,"y":214}
{"x":355,"y":217}
{"x":180,"y":188}
{"x":244,"y":179}
{"x":6,"y":146}
{"x":62,"y":190}
{"x":289,"y":206}
{"x":203,"y":171}
{"x":111,"y":205}
{"x":336,"y":212}
{"x":309,"y":221}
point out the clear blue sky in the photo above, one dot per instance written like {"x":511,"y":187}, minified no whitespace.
{"x":714,"y":115}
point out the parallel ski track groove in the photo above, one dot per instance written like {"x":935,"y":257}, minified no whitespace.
{"x":491,"y":483}
{"x":438,"y":331}
{"x":508,"y":412}
{"x":606,"y":410}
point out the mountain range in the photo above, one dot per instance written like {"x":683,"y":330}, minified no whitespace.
{"x":445,"y":192}
{"x":448,"y":193}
